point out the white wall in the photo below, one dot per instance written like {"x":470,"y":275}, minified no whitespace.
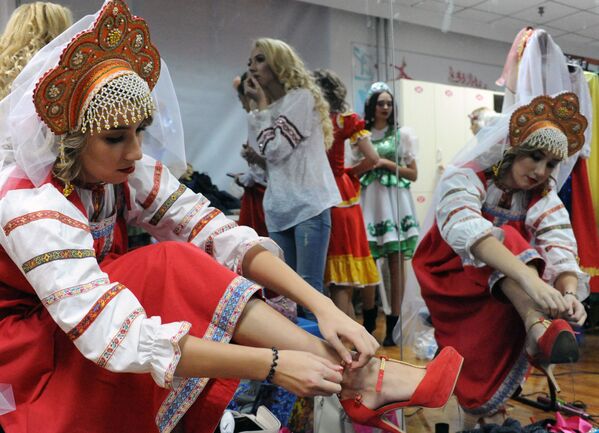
{"x":207,"y":42}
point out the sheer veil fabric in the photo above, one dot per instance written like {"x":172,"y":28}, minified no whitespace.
{"x":28,"y":148}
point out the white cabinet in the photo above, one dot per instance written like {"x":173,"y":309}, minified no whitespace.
{"x":439,"y":115}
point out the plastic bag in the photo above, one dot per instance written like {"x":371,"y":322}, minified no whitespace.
{"x":425,"y":345}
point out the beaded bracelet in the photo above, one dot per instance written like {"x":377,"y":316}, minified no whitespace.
{"x":571,"y":293}
{"x":273,"y":366}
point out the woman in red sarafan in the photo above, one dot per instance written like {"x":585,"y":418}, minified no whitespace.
{"x":498,"y":268}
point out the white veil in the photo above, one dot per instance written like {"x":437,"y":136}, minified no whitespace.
{"x":28,"y":147}
{"x":542,"y":70}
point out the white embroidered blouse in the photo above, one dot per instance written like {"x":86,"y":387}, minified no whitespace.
{"x":52,"y":243}
{"x":300,"y":180}
{"x":459,"y":215}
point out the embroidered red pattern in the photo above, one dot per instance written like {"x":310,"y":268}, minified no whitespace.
{"x":544,"y":214}
{"x":119,"y":337}
{"x":202,"y":223}
{"x":94,"y":312}
{"x":43,"y":214}
{"x":155,"y":186}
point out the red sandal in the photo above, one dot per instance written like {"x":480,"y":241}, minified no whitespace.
{"x":433,"y":391}
{"x":557,"y":345}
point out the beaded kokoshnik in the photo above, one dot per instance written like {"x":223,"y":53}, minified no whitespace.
{"x":104,"y":75}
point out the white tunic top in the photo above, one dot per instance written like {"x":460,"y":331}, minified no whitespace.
{"x":52,"y":243}
{"x":300,"y":180}
{"x":461,"y":223}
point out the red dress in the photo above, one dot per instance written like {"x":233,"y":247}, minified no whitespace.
{"x":56,"y":388}
{"x":483,"y":326}
{"x":251,"y":213}
{"x":349,"y":262}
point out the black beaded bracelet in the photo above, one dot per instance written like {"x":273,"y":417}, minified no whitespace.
{"x":273,"y":366}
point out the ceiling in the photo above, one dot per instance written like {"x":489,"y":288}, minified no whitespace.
{"x":574,"y":24}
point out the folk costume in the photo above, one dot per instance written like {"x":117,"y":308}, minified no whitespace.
{"x":470,"y":203}
{"x":89,"y":332}
{"x":349,"y":262}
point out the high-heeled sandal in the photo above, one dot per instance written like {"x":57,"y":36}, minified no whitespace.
{"x":433,"y":391}
{"x":557,"y":345}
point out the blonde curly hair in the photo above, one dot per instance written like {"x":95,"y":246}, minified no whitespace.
{"x":30,"y":27}
{"x":292,"y":74}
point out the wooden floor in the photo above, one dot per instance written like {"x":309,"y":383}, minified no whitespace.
{"x":578,"y":382}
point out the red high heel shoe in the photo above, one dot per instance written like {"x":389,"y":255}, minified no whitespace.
{"x":557,"y":345}
{"x":433,"y":391}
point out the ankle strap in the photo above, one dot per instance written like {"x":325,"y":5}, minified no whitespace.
{"x":540,"y":321}
{"x":379,"y":381}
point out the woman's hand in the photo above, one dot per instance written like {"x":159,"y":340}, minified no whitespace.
{"x":549,"y":300}
{"x":576,"y":312}
{"x":255,"y":92}
{"x":567,"y":283}
{"x":336,"y":327}
{"x":307,"y":375}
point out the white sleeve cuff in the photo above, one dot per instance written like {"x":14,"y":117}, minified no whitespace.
{"x":159,"y":344}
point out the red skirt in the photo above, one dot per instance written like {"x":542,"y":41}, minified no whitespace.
{"x":251,"y":213}
{"x":349,"y":262}
{"x":485,"y":329}
{"x":58,"y":390}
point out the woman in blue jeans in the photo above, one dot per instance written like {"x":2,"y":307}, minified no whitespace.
{"x":292,"y":130}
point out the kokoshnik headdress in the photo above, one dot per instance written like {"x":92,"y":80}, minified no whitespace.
{"x":101,"y":71}
{"x":554,"y":124}
{"x":105,"y":73}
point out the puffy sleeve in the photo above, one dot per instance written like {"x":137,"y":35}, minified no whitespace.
{"x":168,"y":210}
{"x":281,"y":128}
{"x":356,"y":127}
{"x":102,"y":318}
{"x":549,"y":223}
{"x":409,"y":145}
{"x":459,"y":215}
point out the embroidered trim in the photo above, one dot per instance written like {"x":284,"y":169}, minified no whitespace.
{"x":245,"y":247}
{"x":525,"y":257}
{"x":73,"y":291}
{"x":194,"y":210}
{"x":265,"y":136}
{"x":546,"y":213}
{"x":170,"y":371}
{"x":455,"y":190}
{"x":504,"y":214}
{"x":209,"y":243}
{"x":202,"y":223}
{"x":155,"y":186}
{"x":288,"y":130}
{"x":554,"y":227}
{"x":51,"y":256}
{"x":220,"y":329}
{"x":104,"y":229}
{"x":507,"y":388}
{"x":455,"y":211}
{"x":43,"y":214}
{"x":562,"y":247}
{"x":118,"y":338}
{"x":167,"y":205}
{"x":94,"y":312}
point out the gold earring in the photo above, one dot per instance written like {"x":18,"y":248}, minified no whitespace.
{"x":68,"y":187}
{"x":496,"y":168}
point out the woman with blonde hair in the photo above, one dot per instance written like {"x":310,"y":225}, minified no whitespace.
{"x":30,"y":27}
{"x":292,"y":130}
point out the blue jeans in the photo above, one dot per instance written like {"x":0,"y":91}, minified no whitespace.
{"x":305,"y":247}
